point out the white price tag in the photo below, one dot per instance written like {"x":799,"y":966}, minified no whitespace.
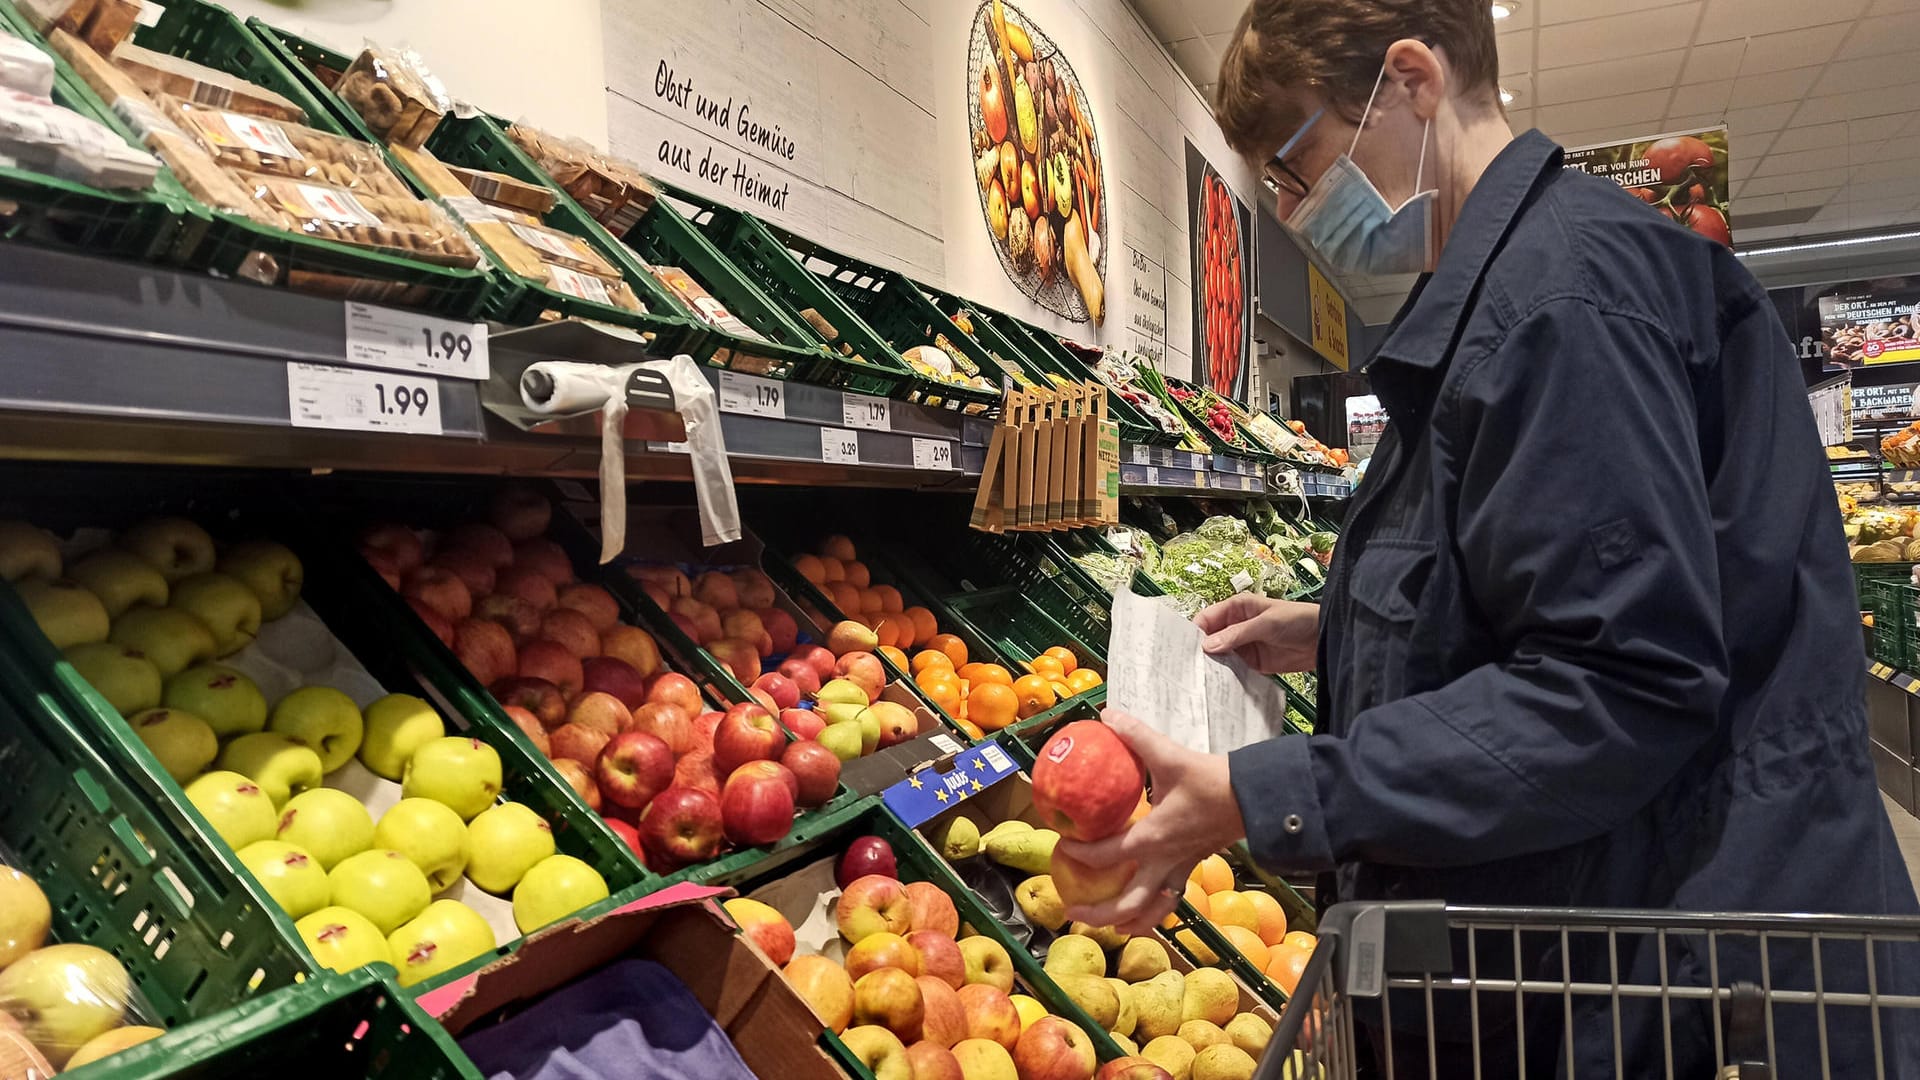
{"x":946,"y":743}
{"x":402,"y":340}
{"x":348,"y":399}
{"x":1142,"y":454}
{"x":862,"y":411}
{"x":670,"y":447}
{"x":839,"y":447}
{"x":1153,"y":476}
{"x":750,"y":395}
{"x":932,"y":454}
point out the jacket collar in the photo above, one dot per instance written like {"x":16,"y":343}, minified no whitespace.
{"x":1423,"y":333}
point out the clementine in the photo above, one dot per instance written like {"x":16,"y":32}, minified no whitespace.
{"x":835,"y":569}
{"x":1285,"y":966}
{"x":1068,"y":661}
{"x":895,"y":631}
{"x":941,"y":688}
{"x":927,"y":658}
{"x":844,"y":596}
{"x":1213,"y":874}
{"x":924,"y":624}
{"x":1273,"y":918}
{"x":858,"y":575}
{"x":1081,"y":680}
{"x":810,"y":568}
{"x":1035,"y":694}
{"x":1300,"y":939}
{"x":986,"y":673}
{"x":973,"y":730}
{"x":1248,"y":943}
{"x":869,"y":600}
{"x":890,"y":599}
{"x":838,"y":547}
{"x":894,"y":656}
{"x":1048,"y":666}
{"x":955,"y":649}
{"x":992,"y":706}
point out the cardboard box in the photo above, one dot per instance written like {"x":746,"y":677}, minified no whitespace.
{"x":684,"y":929}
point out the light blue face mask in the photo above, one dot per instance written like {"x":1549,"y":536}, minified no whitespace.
{"x":1345,"y":219}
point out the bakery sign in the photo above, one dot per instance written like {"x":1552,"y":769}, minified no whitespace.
{"x":1871,"y":323}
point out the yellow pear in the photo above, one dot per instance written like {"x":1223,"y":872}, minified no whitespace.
{"x":1027,"y":850}
{"x":1107,"y":936}
{"x":1201,"y":1034}
{"x":1196,"y":948}
{"x":1143,"y":958}
{"x":1171,"y":1053}
{"x":958,"y":839}
{"x":1250,"y":1033}
{"x":1071,"y":954}
{"x":1156,"y":1005}
{"x":1209,"y":994}
{"x":1005,"y":828}
{"x":1128,"y":1018}
{"x":1040,"y":902}
{"x":1094,"y":996}
{"x":1224,"y":1061}
{"x":1125,"y":1044}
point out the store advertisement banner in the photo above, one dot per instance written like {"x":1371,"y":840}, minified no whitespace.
{"x":1886,"y":401}
{"x":1683,"y":175}
{"x":1329,"y":312}
{"x":1221,"y":230}
{"x":1871,"y":323}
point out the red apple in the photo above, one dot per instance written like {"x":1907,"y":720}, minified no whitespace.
{"x":384,"y":564}
{"x":616,"y":677}
{"x":485,"y":648}
{"x":518,"y":616}
{"x":754,"y":587}
{"x":634,"y":645}
{"x":946,"y":1019}
{"x":805,"y":680}
{"x":537,"y":696}
{"x":667,"y":579}
{"x":868,"y":856}
{"x":991,"y":1014}
{"x":864,"y":670}
{"x":680,"y":827}
{"x":928,"y":1060}
{"x":1054,"y":1049}
{"x":785,"y":695}
{"x":706,"y":620}
{"x":400,"y":544}
{"x":817,"y":658}
{"x":695,"y":770}
{"x":442,"y":590}
{"x":579,"y":777}
{"x":933,"y":909}
{"x":940,"y":957}
{"x":632,"y":768}
{"x":704,"y":726}
{"x":802,"y":723}
{"x":816,"y":768}
{"x":657,"y":595}
{"x":469,"y":566}
{"x":888,"y":998}
{"x":740,"y":657}
{"x":882,"y":950}
{"x":667,"y":722}
{"x":628,"y":835}
{"x":756,"y":803}
{"x":529,"y":726}
{"x":601,"y":712}
{"x":1132,"y":1068}
{"x":545,"y":558}
{"x":529,"y":585}
{"x":674,"y":688}
{"x":781,"y":628}
{"x":549,"y":660}
{"x":874,"y":904}
{"x":437,"y":624}
{"x":519,"y":511}
{"x":578,"y":742}
{"x":573,"y":630}
{"x":475,"y":536}
{"x":763,"y":925}
{"x":747,"y":733}
{"x":715,"y":589}
{"x":596,"y":603}
{"x":685,"y":626}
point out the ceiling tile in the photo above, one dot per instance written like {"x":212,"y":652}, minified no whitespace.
{"x":1740,"y":18}
{"x":1892,"y":102}
{"x":1198,"y":57}
{"x":1516,"y":51}
{"x":1811,"y":137}
{"x":1883,"y":7}
{"x":1525,"y":94}
{"x":1796,"y":200}
{"x":1845,"y":78}
{"x":1777,"y":164}
{"x":1761,"y":204}
{"x":1523,"y":18}
{"x":1902,"y":148}
{"x":1167,"y":19}
{"x":1691,"y":122}
{"x":1748,"y":91}
{"x":1812,"y":46}
{"x":1616,"y":36}
{"x":1520,"y":120}
{"x":1740,"y":168}
{"x":1608,"y":78}
{"x":1719,"y":60}
{"x":1769,"y":185}
{"x":1885,"y":35}
{"x":1215,"y":16}
{"x":1762,"y":118}
{"x":1563,"y":11}
{"x":1627,"y":114}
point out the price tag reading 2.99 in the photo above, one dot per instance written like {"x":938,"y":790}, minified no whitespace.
{"x":348,"y":399}
{"x":932,"y":455}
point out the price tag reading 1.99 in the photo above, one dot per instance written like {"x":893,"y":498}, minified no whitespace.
{"x":407,"y":341}
{"x":862,"y":411}
{"x":932,"y":455}
{"x":348,"y":399}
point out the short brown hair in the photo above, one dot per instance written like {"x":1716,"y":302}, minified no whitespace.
{"x":1336,"y":47}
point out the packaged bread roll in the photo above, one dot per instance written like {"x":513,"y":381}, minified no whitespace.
{"x":159,"y":73}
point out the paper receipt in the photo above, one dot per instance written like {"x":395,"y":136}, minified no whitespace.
{"x":1157,"y":672}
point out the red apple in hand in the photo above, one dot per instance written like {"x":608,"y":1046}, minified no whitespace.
{"x":616,"y":677}
{"x":816,"y":768}
{"x":537,"y":696}
{"x":866,"y":857}
{"x":674,"y":688}
{"x":781,"y":689}
{"x":680,"y":827}
{"x":803,"y":723}
{"x":756,"y":803}
{"x":805,"y":680}
{"x":633,"y":768}
{"x":747,"y":733}
{"x":437,"y":624}
{"x":633,"y":645}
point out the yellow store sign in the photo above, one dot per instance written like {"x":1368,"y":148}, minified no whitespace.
{"x":1329,"y":310}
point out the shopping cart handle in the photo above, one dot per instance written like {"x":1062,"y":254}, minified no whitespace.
{"x":1746,"y":1017}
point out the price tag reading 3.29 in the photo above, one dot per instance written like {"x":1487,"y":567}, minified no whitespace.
{"x":839,"y":447}
{"x":347,"y":399}
{"x":863,"y":411}
{"x":406,"y":341}
{"x":932,"y":455}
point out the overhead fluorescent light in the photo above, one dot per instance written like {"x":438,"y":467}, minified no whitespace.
{"x":1821,"y":245}
{"x":1504,"y":9}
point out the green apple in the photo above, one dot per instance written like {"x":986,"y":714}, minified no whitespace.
{"x":65,"y":611}
{"x":842,"y":692}
{"x":226,"y":699}
{"x":556,"y":887}
{"x":27,"y":551}
{"x":342,"y":939}
{"x":228,"y":608}
{"x":396,"y":726}
{"x":64,"y":995}
{"x":869,"y":722}
{"x":121,"y":579}
{"x":323,"y":718}
{"x":505,"y":842}
{"x":271,"y":570}
{"x":182,"y":742}
{"x":381,"y":884}
{"x":446,"y":935}
{"x":292,"y":877}
{"x":171,"y":638}
{"x":328,"y":824}
{"x":460,"y":771}
{"x":237,"y":808}
{"x":122,"y":674}
{"x":282,"y":767}
{"x":431,"y":835}
{"x":174,"y":546}
{"x":844,"y":739}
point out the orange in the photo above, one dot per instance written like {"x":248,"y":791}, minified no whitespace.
{"x":1273,"y":918}
{"x":973,"y":731}
{"x":1048,"y":666}
{"x":924,"y":625}
{"x":942,"y":689}
{"x":1140,"y":809}
{"x":858,"y":575}
{"x":890,"y":601}
{"x":992,"y":707}
{"x":1229,"y":908}
{"x":869,"y":600}
{"x":844,"y":596}
{"x":1213,"y":874}
{"x":986,"y":673}
{"x":1285,"y":966}
{"x":1035,"y":694}
{"x":1300,"y":939}
{"x":927,"y":658}
{"x":1068,"y":661}
{"x":955,"y":649}
{"x":1082,"y":680}
{"x":810,"y":568}
{"x":1249,"y":945}
{"x":896,"y":632}
{"x":835,"y":569}
{"x":894,"y":656}
{"x":837,"y":547}
{"x":1196,"y":899}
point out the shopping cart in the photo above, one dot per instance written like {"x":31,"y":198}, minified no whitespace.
{"x":1403,"y":991}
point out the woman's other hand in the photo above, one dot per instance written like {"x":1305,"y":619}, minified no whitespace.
{"x":1274,"y":636}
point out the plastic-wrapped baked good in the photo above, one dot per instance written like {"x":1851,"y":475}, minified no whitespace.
{"x":159,"y":73}
{"x":256,"y":144}
{"x":39,"y":135}
{"x":503,"y":190}
{"x":615,"y":192}
{"x":111,"y":23}
{"x":23,"y":67}
{"x":68,"y":15}
{"x":702,"y":303}
{"x":208,"y":182}
{"x":588,"y":287}
{"x":394,"y":93}
{"x":403,"y":226}
{"x":565,"y":249}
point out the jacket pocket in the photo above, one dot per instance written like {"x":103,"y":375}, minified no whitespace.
{"x":1387,"y":582}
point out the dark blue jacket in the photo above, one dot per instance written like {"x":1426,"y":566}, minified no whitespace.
{"x":1590,"y":638}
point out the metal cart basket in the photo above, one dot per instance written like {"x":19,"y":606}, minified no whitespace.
{"x":1403,"y":991}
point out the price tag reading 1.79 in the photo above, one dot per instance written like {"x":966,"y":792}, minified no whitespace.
{"x":932,"y":455}
{"x":862,"y":411}
{"x":348,"y":399}
{"x":750,"y":395}
{"x":406,"y":341}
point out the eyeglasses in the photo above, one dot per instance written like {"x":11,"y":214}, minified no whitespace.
{"x":1283,"y":175}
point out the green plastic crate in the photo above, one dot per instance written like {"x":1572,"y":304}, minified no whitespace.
{"x":1016,"y":627}
{"x":1896,"y":637}
{"x":1133,"y":424}
{"x":1019,"y":362}
{"x":354,"y":1025}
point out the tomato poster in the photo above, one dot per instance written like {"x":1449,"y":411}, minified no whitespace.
{"x":1683,"y":175}
{"x":1869,"y":323}
{"x":1220,"y":235}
